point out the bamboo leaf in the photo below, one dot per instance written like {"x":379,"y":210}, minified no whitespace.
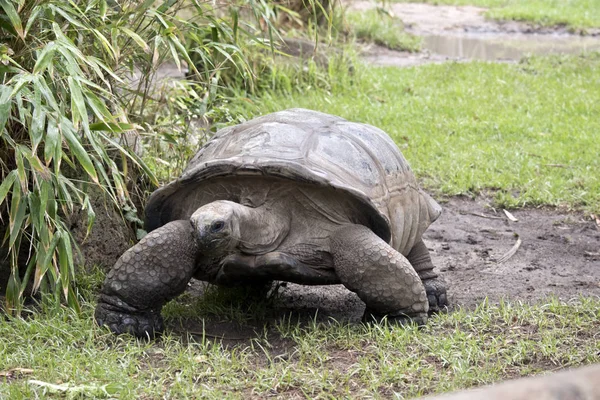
{"x":78,"y":109}
{"x":103,"y":9}
{"x":112,"y":50}
{"x":44,"y":262}
{"x":116,"y":127}
{"x":166,"y":5}
{"x":17,"y":215}
{"x":91,"y":215}
{"x":65,"y":15}
{"x":182,"y":50}
{"x":65,"y":260}
{"x":69,"y":134}
{"x":48,"y":94}
{"x":33,"y":17}
{"x":36,"y":165}
{"x":13,"y":16}
{"x":64,"y":195}
{"x":28,"y":271}
{"x":52,"y":140}
{"x":7,"y":184}
{"x":21,"y":169}
{"x":98,"y":107}
{"x":5,"y":105}
{"x":45,"y":190}
{"x":236,"y":15}
{"x":38,"y":121}
{"x":510,"y":216}
{"x":133,"y":157}
{"x":174,"y":53}
{"x":52,"y":208}
{"x":45,"y":57}
{"x":160,"y":19}
{"x":137,"y":38}
{"x":12,"y":293}
{"x":35,"y":213}
{"x":20,"y":81}
{"x":74,"y":304}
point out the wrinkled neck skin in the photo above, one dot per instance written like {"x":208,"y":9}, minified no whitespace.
{"x":224,"y":227}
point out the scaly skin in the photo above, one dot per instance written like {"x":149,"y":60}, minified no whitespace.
{"x":146,"y":276}
{"x":435,"y":286}
{"x":382,"y":277}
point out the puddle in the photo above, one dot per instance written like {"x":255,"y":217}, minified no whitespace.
{"x":506,"y":48}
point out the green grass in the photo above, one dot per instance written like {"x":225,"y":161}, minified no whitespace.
{"x":527,"y":132}
{"x":380,"y":28}
{"x":314,"y":360}
{"x":575,"y":14}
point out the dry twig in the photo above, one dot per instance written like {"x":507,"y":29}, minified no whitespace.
{"x":511,"y":252}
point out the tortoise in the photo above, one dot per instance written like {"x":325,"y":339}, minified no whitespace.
{"x":297,"y":196}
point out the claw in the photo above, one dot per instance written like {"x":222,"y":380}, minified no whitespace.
{"x":436,"y":294}
{"x":143,"y":324}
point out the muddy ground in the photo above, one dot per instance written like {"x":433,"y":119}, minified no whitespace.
{"x":460,"y":33}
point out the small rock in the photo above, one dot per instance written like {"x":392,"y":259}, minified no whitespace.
{"x":445,"y":246}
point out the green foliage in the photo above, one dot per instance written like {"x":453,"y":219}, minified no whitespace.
{"x":76,"y":80}
{"x":381,"y":28}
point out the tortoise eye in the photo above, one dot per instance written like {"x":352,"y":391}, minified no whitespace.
{"x":217,"y":226}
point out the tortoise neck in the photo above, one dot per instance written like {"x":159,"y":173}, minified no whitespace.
{"x":262,"y":229}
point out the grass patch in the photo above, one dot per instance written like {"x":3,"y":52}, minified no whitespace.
{"x":379,"y":27}
{"x":526,"y":131}
{"x":321,"y":360}
{"x":575,"y":14}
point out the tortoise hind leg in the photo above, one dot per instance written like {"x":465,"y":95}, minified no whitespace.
{"x":380,"y":275}
{"x":146,"y":276}
{"x":435,"y":286}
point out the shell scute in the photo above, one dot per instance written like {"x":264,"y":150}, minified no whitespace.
{"x":311,"y":147}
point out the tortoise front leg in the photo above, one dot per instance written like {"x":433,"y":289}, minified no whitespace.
{"x":379,"y":275}
{"x":435,"y":286}
{"x":146,"y":276}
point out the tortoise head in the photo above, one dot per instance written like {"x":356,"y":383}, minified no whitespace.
{"x":216,"y":227}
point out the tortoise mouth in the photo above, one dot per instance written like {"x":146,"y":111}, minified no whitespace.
{"x":212,"y":242}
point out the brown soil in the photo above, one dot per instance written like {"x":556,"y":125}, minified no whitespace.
{"x":559,"y":254}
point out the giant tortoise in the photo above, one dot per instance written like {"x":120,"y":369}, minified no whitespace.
{"x":298,"y":196}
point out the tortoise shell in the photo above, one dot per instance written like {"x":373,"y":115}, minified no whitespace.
{"x":308,"y":147}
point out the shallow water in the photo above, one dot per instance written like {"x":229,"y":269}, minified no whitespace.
{"x":504,"y":47}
